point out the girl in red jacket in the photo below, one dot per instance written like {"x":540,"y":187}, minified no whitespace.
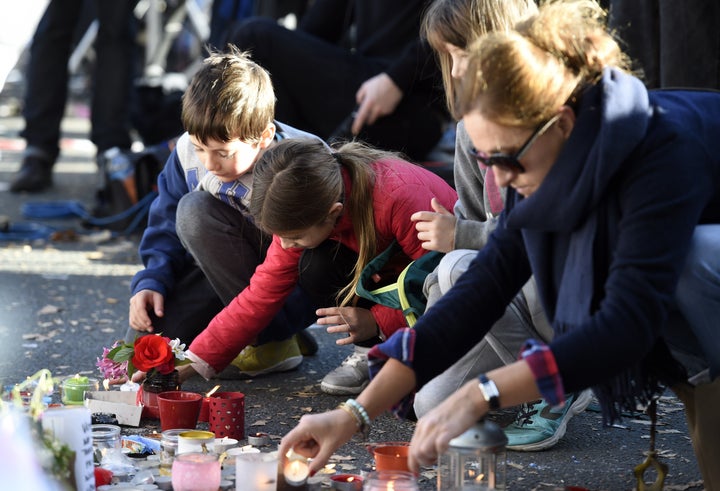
{"x":330,"y":212}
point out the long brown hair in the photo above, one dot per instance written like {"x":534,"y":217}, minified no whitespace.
{"x":460,"y":22}
{"x":296,"y":182}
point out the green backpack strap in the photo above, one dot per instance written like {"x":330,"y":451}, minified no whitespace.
{"x":409,"y":312}
{"x":406,"y":293}
{"x":384,"y":295}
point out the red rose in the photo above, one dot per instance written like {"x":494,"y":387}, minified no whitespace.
{"x":102,"y":476}
{"x":153,"y":351}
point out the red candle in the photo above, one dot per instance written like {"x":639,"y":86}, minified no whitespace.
{"x":204,"y":410}
{"x":204,"y":416}
{"x":347,"y":482}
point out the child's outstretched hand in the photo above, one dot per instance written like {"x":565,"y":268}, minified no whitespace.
{"x":436,"y":229}
{"x":359,"y":324}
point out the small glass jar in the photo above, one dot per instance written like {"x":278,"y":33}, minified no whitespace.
{"x":106,"y":438}
{"x":396,"y":480}
{"x":168,"y":449}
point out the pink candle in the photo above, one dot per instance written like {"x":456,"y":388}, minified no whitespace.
{"x":196,"y":472}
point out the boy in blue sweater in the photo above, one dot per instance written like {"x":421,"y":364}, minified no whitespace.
{"x":200,"y":247}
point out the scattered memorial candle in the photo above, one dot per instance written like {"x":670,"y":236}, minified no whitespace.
{"x":196,"y":472}
{"x":347,"y":482}
{"x":296,"y":469}
{"x":205,"y":408}
{"x":258,"y":470}
{"x":259,"y":439}
{"x":74,"y":388}
{"x":391,"y":480}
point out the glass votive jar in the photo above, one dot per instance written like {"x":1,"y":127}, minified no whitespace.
{"x":168,"y":449}
{"x":395,"y":480}
{"x":106,"y":438}
{"x":196,"y":472}
{"x":72,"y":389}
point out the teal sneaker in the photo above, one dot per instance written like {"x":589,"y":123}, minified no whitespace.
{"x":539,"y":426}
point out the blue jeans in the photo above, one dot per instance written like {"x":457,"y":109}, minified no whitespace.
{"x":112,"y":80}
{"x":698,"y":293}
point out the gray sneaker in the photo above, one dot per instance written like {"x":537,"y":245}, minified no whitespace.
{"x":351,"y":377}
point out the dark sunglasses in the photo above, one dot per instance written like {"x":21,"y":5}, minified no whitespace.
{"x":509,"y":162}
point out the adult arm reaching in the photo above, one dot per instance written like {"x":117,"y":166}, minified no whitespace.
{"x":317,"y":436}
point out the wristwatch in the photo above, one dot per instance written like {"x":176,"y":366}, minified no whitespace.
{"x":489,"y":392}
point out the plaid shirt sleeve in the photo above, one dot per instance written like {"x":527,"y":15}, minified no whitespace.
{"x":542,"y":364}
{"x":401,"y":346}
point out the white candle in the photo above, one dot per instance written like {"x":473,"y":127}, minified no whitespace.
{"x":296,"y":471}
{"x":72,"y":426}
{"x":256,"y":471}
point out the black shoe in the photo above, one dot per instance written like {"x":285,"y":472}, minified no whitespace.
{"x":35,"y":175}
{"x":307,"y":343}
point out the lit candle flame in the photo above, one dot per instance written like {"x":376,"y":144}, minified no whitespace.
{"x":106,"y":384}
{"x":212,"y":391}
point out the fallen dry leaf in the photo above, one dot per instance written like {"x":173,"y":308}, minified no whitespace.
{"x":341,"y":457}
{"x":49,"y":309}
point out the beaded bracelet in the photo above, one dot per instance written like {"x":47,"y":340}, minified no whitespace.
{"x":359,"y":414}
{"x":360,"y":409}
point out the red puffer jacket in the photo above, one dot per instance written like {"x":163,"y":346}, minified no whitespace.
{"x":401,"y":189}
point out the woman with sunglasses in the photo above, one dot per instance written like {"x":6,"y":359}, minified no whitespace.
{"x":450,"y":26}
{"x":611,"y":206}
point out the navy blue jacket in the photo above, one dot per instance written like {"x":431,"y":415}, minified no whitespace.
{"x":606,"y":235}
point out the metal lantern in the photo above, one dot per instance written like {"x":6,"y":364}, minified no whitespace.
{"x":475,"y":460}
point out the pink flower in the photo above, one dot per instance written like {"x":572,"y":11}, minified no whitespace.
{"x":109,"y":368}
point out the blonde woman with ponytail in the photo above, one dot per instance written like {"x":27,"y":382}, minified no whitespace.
{"x":613,"y":205}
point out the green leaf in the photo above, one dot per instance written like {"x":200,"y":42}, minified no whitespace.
{"x":121,"y":353}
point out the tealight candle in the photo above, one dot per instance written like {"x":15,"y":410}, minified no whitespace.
{"x":296,"y":469}
{"x":259,"y":439}
{"x":347,"y":482}
{"x":224,"y":444}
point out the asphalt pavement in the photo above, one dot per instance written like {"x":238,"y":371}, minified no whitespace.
{"x":63,"y":299}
